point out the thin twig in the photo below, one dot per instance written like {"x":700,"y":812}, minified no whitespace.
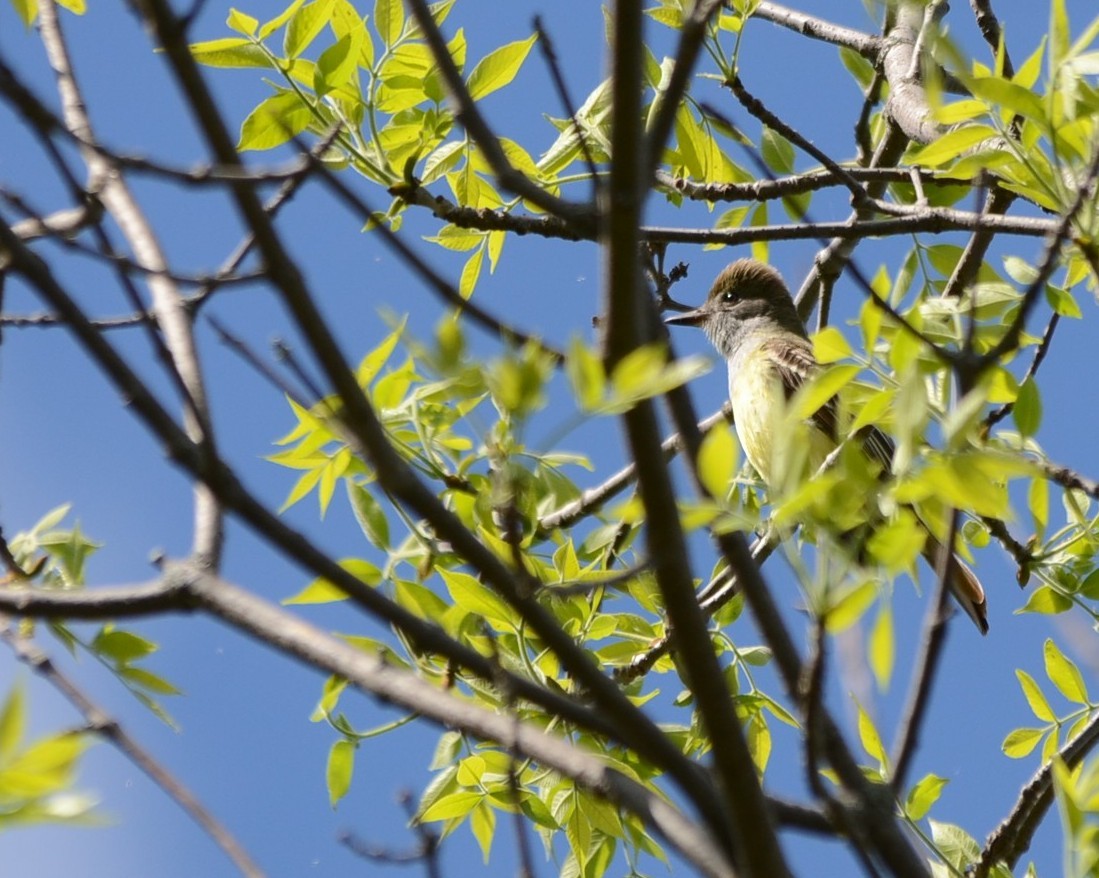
{"x":926,"y":666}
{"x":101,"y":723}
{"x":1011,"y":839}
{"x":554,"y":67}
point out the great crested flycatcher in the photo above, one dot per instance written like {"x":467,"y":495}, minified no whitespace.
{"x":750,"y":318}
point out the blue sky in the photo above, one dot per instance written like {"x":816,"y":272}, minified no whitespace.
{"x":245,"y":744}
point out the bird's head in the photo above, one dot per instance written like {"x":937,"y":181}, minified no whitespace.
{"x":746,"y":295}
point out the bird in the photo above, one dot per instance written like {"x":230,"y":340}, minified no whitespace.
{"x":750,"y":318}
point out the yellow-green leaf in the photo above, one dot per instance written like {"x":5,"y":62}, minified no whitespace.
{"x":241,"y":23}
{"x":829,"y":345}
{"x":1046,"y":601}
{"x":341,"y":765}
{"x":1020,"y":742}
{"x":1027,"y":411}
{"x":229,"y":52}
{"x":13,"y":719}
{"x":306,"y":22}
{"x":278,"y":21}
{"x":389,"y":19}
{"x":471,"y":271}
{"x":881,"y":648}
{"x":952,"y":144}
{"x":826,"y":384}
{"x":1064,"y":674}
{"x":923,"y":795}
{"x":1037,"y":701}
{"x":717,"y":460}
{"x":585,"y":373}
{"x":274,"y":121}
{"x":871,"y":740}
{"x":498,"y":68}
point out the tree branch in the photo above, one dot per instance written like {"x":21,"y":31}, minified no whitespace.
{"x":1011,"y":839}
{"x":101,"y":723}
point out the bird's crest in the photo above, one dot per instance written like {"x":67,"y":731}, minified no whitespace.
{"x":748,"y":279}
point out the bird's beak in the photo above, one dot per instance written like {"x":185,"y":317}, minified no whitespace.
{"x":687,"y":318}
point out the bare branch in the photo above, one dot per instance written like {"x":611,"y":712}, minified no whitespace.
{"x":867,"y":45}
{"x":740,"y":821}
{"x":171,"y":315}
{"x":1011,"y":839}
{"x":101,"y":723}
{"x":926,"y":666}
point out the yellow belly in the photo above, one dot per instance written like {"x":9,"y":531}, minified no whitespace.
{"x":783,"y":450}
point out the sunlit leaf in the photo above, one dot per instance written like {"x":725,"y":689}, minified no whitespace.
{"x":1064,"y":674}
{"x":1020,"y":742}
{"x":1037,"y":701}
{"x":498,"y":67}
{"x":340,"y":767}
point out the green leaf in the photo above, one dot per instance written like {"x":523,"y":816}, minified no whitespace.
{"x":321,"y":591}
{"x":1037,"y":701}
{"x":498,"y":68}
{"x":861,"y":69}
{"x":1047,"y":602}
{"x":307,"y":21}
{"x":821,"y":388}
{"x":849,"y":607}
{"x":471,"y":271}
{"x":337,"y":64}
{"x":229,"y":52}
{"x":585,"y":373}
{"x":870,"y":739}
{"x":777,"y":152}
{"x":13,"y":721}
{"x":1009,"y":96}
{"x":482,"y":823}
{"x":122,"y":647}
{"x":1020,"y":742}
{"x":278,"y":21}
{"x":27,"y":10}
{"x":923,"y":795}
{"x":644,"y":373}
{"x":955,"y":844}
{"x":474,"y":597}
{"x":952,"y":144}
{"x":369,"y":514}
{"x":456,"y":804}
{"x":372,"y":363}
{"x":274,"y":121}
{"x":341,"y":765}
{"x":881,"y":648}
{"x":717,"y":460}
{"x":389,"y":20}
{"x":1064,"y":674}
{"x":759,"y":740}
{"x":1038,"y":503}
{"x":241,"y":23}
{"x":149,"y":681}
{"x":1062,"y":302}
{"x":1027,"y":411}
{"x":829,"y":345}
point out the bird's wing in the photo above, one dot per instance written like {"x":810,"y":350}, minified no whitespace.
{"x":795,"y":364}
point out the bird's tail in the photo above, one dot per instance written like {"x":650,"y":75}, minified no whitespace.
{"x":963,"y":584}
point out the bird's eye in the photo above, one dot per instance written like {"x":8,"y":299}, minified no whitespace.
{"x":728,"y":296}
